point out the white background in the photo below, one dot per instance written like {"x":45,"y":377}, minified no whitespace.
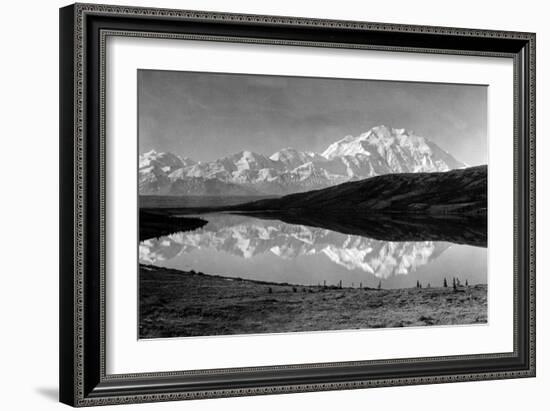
{"x":29,"y":217}
{"x":125,"y":354}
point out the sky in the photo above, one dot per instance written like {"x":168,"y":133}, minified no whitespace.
{"x":206,"y":116}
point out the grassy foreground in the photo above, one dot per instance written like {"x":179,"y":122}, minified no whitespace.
{"x":176,"y":304}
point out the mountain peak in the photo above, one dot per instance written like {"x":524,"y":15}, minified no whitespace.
{"x":246,"y":154}
{"x":289,"y":155}
{"x":287,"y":151}
{"x":395,"y":150}
{"x":378,"y":151}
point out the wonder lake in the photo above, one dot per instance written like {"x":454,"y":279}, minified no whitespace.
{"x":271,"y":250}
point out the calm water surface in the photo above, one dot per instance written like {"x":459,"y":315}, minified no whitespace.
{"x":271,"y":250}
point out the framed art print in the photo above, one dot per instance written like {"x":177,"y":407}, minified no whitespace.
{"x":262,"y":204}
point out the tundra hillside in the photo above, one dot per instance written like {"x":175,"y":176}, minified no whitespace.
{"x":462,"y":191}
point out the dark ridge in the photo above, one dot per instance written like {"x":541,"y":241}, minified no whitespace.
{"x":157,"y":224}
{"x":456,"y":192}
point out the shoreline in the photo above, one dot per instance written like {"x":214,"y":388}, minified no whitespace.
{"x":150,"y":267}
{"x":176,"y":303}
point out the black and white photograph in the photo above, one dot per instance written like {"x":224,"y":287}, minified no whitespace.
{"x":275,"y":204}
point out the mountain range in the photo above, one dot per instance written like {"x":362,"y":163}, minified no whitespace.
{"x":379,"y":151}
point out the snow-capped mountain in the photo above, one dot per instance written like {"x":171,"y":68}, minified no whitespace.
{"x":393,"y":150}
{"x":381,"y":150}
{"x":246,"y":238}
{"x":292,"y":158}
{"x":154,"y":169}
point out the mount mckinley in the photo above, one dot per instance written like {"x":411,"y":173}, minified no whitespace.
{"x":381,"y":150}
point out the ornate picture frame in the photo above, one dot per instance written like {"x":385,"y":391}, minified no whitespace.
{"x":84,"y":30}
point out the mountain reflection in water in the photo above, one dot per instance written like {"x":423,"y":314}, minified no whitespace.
{"x":273,"y":250}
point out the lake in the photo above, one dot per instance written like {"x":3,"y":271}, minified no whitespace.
{"x":275,"y":251}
